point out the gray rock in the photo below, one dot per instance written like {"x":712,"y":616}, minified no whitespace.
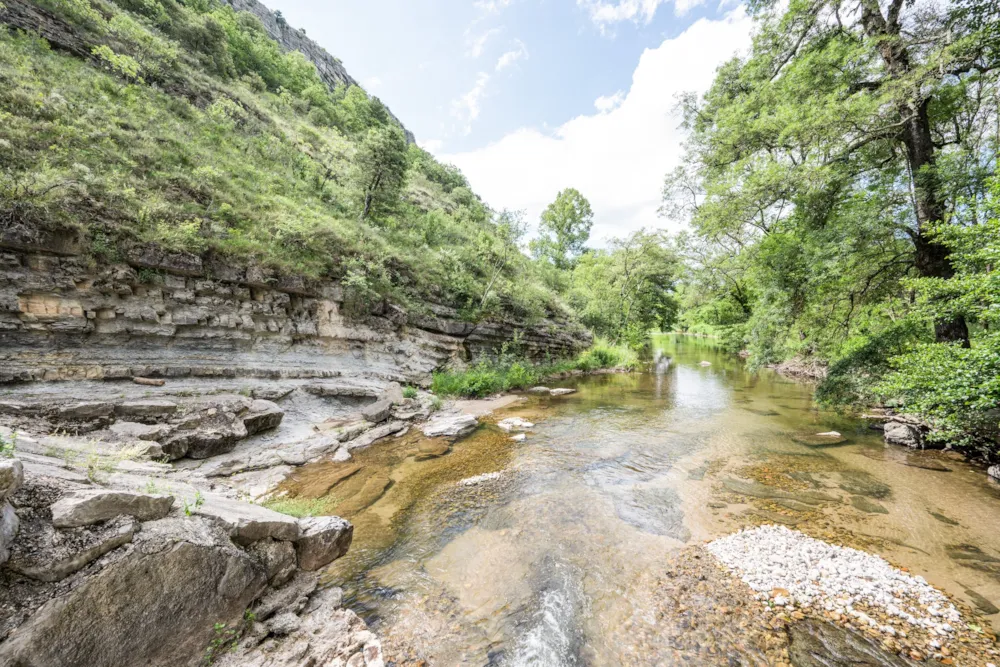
{"x":47,"y":554}
{"x":86,"y":410}
{"x":378,"y":411}
{"x":247,"y":523}
{"x":393,"y":393}
{"x":818,"y":644}
{"x":562,"y":391}
{"x":9,"y":524}
{"x":514,"y":424}
{"x":994,"y":472}
{"x":88,"y":506}
{"x":276,"y":600}
{"x":449,"y":426}
{"x":11,"y":477}
{"x":146,"y":408}
{"x":284,"y":624}
{"x":371,"y":436}
{"x":129,"y":431}
{"x":264,"y":415}
{"x":907,"y":435}
{"x":322,"y":540}
{"x":156,"y":605}
{"x":278,"y":559}
{"x":213,"y":437}
{"x":539,"y":390}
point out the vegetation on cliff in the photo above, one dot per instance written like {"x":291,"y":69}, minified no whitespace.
{"x":839,"y":180}
{"x":181,"y":123}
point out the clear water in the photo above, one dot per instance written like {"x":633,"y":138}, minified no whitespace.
{"x":547,"y":566}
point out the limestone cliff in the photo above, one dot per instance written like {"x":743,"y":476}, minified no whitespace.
{"x":159,"y":314}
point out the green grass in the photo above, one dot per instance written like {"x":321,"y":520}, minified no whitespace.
{"x":298,"y":507}
{"x":508,"y":373}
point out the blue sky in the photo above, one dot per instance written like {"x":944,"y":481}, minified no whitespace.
{"x":530,"y":96}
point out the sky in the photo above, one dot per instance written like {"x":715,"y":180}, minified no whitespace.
{"x":528,"y":97}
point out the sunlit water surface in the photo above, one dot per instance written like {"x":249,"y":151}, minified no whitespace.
{"x":544,"y":567}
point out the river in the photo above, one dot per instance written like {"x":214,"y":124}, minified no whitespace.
{"x":554,"y":562}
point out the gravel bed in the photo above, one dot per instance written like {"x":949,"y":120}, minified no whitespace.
{"x":794,"y":570}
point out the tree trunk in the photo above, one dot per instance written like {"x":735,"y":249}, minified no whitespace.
{"x":930,"y":257}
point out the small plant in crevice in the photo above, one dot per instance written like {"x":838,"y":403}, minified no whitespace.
{"x":8,"y":446}
{"x":409,"y":392}
{"x":191,"y":505}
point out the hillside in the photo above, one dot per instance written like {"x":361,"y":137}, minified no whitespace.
{"x":184,"y":126}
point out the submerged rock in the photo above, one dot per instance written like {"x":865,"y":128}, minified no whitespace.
{"x":818,"y":644}
{"x":514,"y":424}
{"x":869,"y":506}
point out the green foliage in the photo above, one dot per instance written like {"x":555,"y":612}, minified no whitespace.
{"x":8,"y":446}
{"x":190,"y":128}
{"x":627,"y":290}
{"x":564,"y":229}
{"x":510,"y":371}
{"x":298,"y":507}
{"x":409,"y":392}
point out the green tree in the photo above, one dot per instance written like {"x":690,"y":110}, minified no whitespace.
{"x":564,"y":229}
{"x":380,"y":170}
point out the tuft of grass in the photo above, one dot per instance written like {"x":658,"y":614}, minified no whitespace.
{"x":409,"y":392}
{"x":297,"y":507}
{"x":493,"y":376}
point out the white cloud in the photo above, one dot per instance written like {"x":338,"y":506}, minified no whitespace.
{"x":617,"y":158}
{"x":430,"y":145}
{"x":466,"y":108}
{"x":520,"y":52}
{"x":373,"y":82}
{"x":606,"y":13}
{"x":606,"y":103}
{"x":477,"y":44}
{"x":491,"y":6}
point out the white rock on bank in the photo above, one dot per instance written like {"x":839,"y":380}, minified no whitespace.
{"x":828,"y":434}
{"x":561,"y":391}
{"x":449,"y":426}
{"x":514,"y":424}
{"x":832,"y":578}
{"x":518,"y":438}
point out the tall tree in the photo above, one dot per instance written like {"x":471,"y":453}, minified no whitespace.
{"x":867,"y":123}
{"x":564,"y":229}
{"x":380,"y":170}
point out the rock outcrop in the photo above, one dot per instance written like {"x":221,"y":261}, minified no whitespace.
{"x":126,"y":579}
{"x":176,"y":315}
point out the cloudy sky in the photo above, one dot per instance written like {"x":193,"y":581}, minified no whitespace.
{"x":531,"y":96}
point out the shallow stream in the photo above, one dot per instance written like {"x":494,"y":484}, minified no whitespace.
{"x":552,"y":563}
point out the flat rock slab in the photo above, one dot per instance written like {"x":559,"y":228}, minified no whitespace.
{"x":561,"y":391}
{"x":322,"y":539}
{"x":247,"y":523}
{"x":150,"y":408}
{"x":88,"y":506}
{"x":757,"y":490}
{"x":45,"y":553}
{"x":373,"y":489}
{"x":86,"y":410}
{"x":868,"y":506}
{"x":539,"y":390}
{"x":264,"y":415}
{"x":371,"y":436}
{"x":127,"y":431}
{"x":817,"y":644}
{"x":449,"y":426}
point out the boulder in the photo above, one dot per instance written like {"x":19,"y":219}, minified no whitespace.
{"x":264,"y":415}
{"x":146,"y":408}
{"x":994,"y":472}
{"x":562,"y":391}
{"x":275,"y":600}
{"x":87,"y":506}
{"x":214,"y":436}
{"x":11,"y":477}
{"x":284,"y":623}
{"x":901,"y":433}
{"x":247,"y":523}
{"x":449,"y":426}
{"x":322,"y":540}
{"x":514,"y":424}
{"x":86,"y":410}
{"x":9,"y":524}
{"x":156,"y":605}
{"x":371,"y":436}
{"x":539,"y":390}
{"x":378,"y":411}
{"x":45,"y":553}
